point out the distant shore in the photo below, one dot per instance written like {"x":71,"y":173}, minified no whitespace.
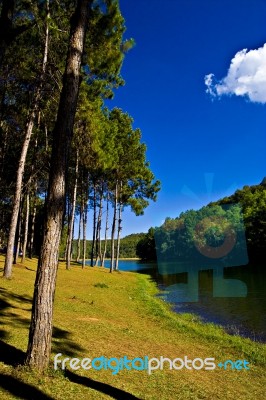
{"x":107,"y":259}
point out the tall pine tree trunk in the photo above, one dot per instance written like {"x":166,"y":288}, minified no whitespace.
{"x":18,"y":244}
{"x":23,"y":156}
{"x":40,"y":335}
{"x":32,"y":232}
{"x":106,"y":230}
{"x":79,"y":235}
{"x":26,"y":228}
{"x":84,"y":225}
{"x":98,"y":230}
{"x":94,"y":222}
{"x":67,"y":214}
{"x":72,"y":218}
{"x":113,"y":230}
{"x":119,"y":229}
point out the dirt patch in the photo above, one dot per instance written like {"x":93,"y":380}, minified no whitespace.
{"x":88,"y":319}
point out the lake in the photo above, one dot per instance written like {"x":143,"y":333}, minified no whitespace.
{"x":244,"y":316}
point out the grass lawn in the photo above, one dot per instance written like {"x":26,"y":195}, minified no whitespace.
{"x":115,"y":315}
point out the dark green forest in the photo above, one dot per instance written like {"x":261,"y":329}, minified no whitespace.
{"x":240,"y":219}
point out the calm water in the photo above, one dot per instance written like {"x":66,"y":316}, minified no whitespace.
{"x":245,"y":316}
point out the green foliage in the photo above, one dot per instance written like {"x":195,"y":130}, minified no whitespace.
{"x":109,"y":150}
{"x":128,"y":246}
{"x":145,"y":248}
{"x":253,"y":203}
{"x":177,"y":236}
{"x":130,"y":167}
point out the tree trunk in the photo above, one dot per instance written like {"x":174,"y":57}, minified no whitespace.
{"x":72,"y":218}
{"x":18,"y":244}
{"x":32,"y":229}
{"x":98,"y":230}
{"x":84,"y":223}
{"x":119,"y":229}
{"x":94,"y":222}
{"x":67,"y":216}
{"x":17,"y":196}
{"x":113,"y":230}
{"x":40,"y":335}
{"x":106,"y":229}
{"x":26,"y":228}
{"x":79,"y":235}
{"x":22,"y":161}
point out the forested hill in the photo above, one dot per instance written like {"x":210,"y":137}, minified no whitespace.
{"x":247,"y":214}
{"x":128,"y":246}
{"x":253,"y":203}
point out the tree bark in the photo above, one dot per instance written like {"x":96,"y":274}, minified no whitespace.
{"x":84,"y":225}
{"x":40,"y":335}
{"x":32,"y":233}
{"x":98,"y":230}
{"x":17,"y":196}
{"x":26,"y":228}
{"x":67,"y":217}
{"x":106,"y":230}
{"x":79,"y":235}
{"x":18,"y":244}
{"x":72,"y":218}
{"x":113,"y":230}
{"x":119,"y":229}
{"x":94,"y":222}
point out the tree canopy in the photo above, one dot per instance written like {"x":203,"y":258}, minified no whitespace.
{"x":237,"y":221}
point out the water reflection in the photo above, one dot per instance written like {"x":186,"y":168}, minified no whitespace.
{"x":238,"y":314}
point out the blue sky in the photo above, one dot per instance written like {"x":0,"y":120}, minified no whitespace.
{"x":200,"y":146}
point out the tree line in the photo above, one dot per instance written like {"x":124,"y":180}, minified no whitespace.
{"x":107,"y":167}
{"x":128,"y":247}
{"x":63,"y":153}
{"x":239,"y":220}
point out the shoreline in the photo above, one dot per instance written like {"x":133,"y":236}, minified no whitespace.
{"x":97,"y":313}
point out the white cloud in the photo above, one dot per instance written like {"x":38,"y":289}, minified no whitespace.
{"x":246,"y":76}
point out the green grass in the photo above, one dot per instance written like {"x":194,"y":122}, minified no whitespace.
{"x":98,"y":313}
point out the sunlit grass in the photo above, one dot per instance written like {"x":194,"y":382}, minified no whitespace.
{"x":98,"y":313}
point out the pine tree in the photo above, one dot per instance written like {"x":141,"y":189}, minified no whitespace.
{"x":40,"y":335}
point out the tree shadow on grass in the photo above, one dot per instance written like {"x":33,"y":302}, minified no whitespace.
{"x":7,"y":316}
{"x":22,"y":390}
{"x":10,"y":355}
{"x":116,"y":393}
{"x":6,"y":295}
{"x":62,"y":340}
{"x":62,"y":343}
